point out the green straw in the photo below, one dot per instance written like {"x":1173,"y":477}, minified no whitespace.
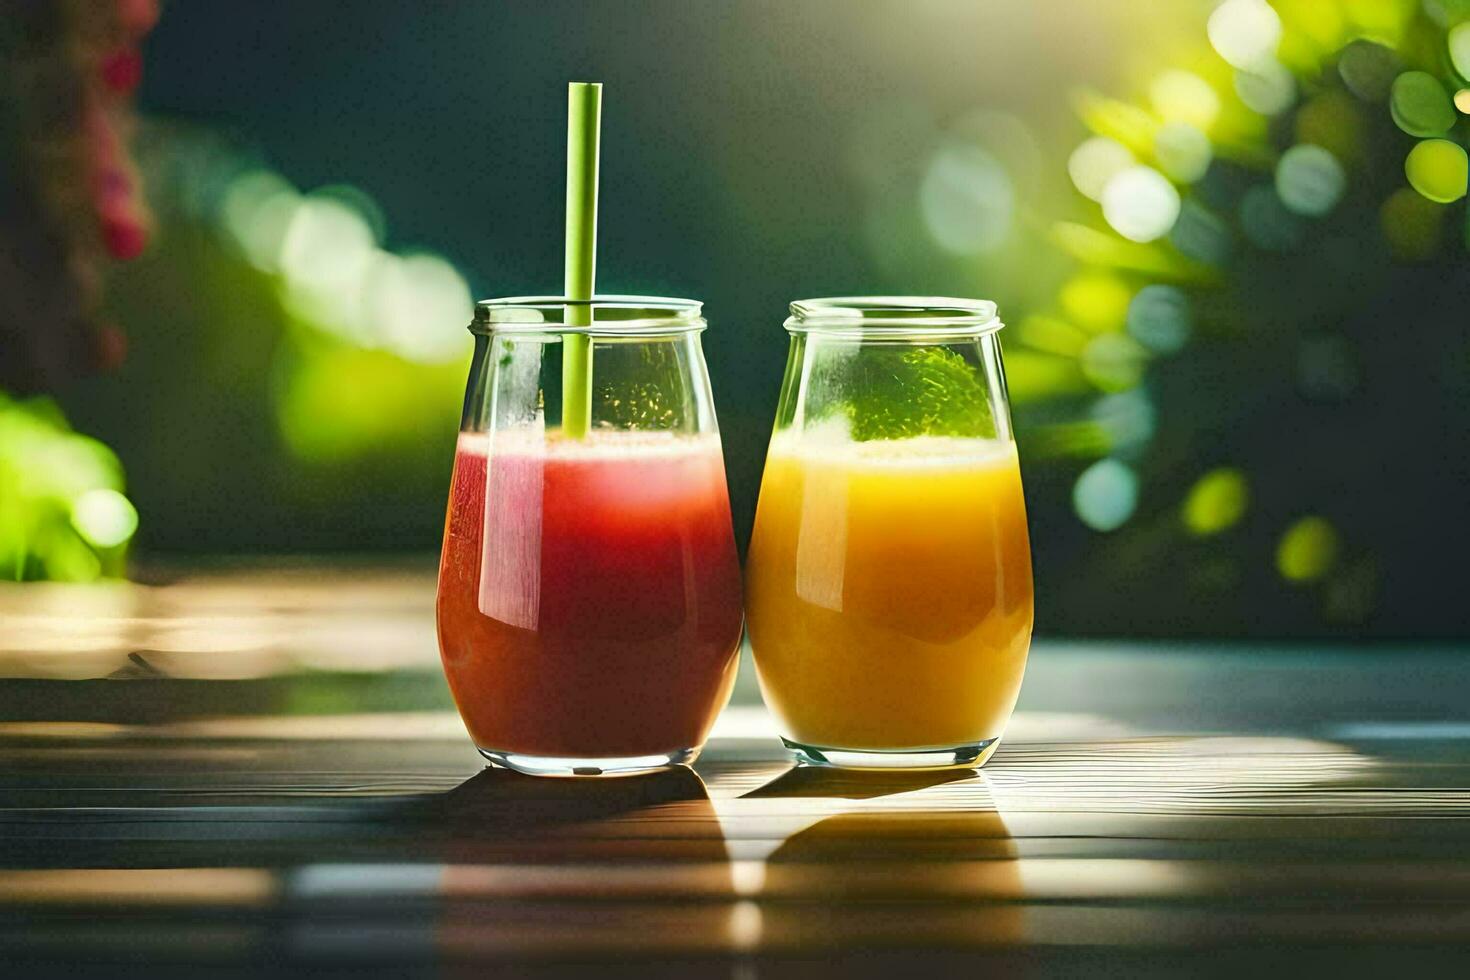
{"x":584,"y":124}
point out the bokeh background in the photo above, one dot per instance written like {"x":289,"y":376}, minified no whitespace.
{"x":1228,"y":239}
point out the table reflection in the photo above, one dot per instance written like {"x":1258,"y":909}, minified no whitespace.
{"x":844,"y":856}
{"x":807,"y":859}
{"x":536,"y":866}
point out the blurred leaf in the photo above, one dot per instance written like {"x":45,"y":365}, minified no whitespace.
{"x":1050,"y":334}
{"x":1420,"y":104}
{"x":1100,"y":248}
{"x":1333,"y":121}
{"x":1216,"y":502}
{"x":1128,"y":124}
{"x":45,"y":470}
{"x":1033,"y":376}
{"x":342,"y":403}
{"x":1307,"y":550}
{"x":1412,"y":224}
{"x":1438,"y":169}
{"x":1096,"y":301}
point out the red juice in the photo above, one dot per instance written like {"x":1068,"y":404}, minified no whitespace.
{"x":589,"y":605}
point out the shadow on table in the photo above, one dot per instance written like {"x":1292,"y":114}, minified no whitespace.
{"x":502,"y":797}
{"x":603,"y":868}
{"x":854,"y":784}
{"x":815,"y":860}
{"x":861,"y":848}
{"x":498,"y":814}
{"x":943,"y":814}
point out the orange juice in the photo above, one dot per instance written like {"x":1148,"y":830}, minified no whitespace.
{"x":889,"y":591}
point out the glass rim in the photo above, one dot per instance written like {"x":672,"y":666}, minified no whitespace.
{"x":895,"y":316}
{"x":610,"y":315}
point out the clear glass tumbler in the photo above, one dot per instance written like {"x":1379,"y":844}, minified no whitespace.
{"x":888,"y":584}
{"x":589,"y":605}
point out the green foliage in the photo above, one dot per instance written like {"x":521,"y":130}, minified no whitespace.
{"x":1307,"y":550}
{"x":340,"y":403}
{"x":897,"y":392}
{"x":1420,"y":105}
{"x":1271,"y":350}
{"x":62,"y":514}
{"x":1216,"y":502}
{"x":1438,"y":169}
{"x":292,"y":383}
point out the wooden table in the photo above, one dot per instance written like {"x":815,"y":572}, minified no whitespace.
{"x":1156,"y":810}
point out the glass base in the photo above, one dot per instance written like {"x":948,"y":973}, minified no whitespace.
{"x":971,"y":756}
{"x":631,"y":765}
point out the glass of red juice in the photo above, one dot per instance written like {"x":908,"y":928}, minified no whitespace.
{"x":589,"y":605}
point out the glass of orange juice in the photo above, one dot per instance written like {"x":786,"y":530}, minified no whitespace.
{"x":888,"y":587}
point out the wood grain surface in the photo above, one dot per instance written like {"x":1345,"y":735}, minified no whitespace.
{"x":1155,"y":811}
